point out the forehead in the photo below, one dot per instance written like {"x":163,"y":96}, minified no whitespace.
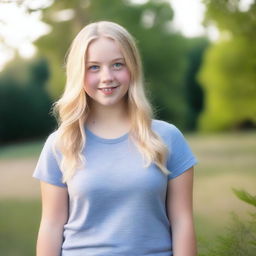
{"x":103,"y":49}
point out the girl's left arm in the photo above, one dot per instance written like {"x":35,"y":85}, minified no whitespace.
{"x":180,"y":213}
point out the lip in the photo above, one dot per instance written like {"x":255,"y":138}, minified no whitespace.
{"x":110,"y":87}
{"x":108,"y":92}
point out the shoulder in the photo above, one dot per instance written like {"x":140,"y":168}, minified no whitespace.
{"x":166,"y":130}
{"x":180,"y":157}
{"x":50,"y":145}
{"x":50,"y":139}
{"x":48,"y":165}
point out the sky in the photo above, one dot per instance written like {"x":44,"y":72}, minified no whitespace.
{"x":20,"y":32}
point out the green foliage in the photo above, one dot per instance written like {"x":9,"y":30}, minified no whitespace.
{"x":164,"y":52}
{"x":24,"y":102}
{"x":228,"y":73}
{"x":228,"y":16}
{"x":245,"y":196}
{"x":241,"y":235}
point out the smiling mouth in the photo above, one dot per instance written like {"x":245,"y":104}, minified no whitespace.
{"x":108,"y":88}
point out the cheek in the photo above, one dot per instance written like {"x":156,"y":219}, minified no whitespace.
{"x":90,"y":81}
{"x":124,"y":77}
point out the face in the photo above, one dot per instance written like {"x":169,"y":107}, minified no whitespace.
{"x":107,"y":77}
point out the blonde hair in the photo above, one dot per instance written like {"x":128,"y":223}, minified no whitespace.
{"x":72,"y":109}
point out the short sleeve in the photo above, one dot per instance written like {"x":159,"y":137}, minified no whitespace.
{"x":181,"y":156}
{"x":47,"y":168}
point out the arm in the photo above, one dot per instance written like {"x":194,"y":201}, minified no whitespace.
{"x":54,"y":216}
{"x":180,"y":213}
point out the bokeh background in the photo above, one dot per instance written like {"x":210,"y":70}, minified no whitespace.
{"x":205,"y":87}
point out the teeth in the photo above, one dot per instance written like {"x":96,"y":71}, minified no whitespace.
{"x":107,"y":90}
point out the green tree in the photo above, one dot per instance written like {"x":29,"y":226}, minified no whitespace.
{"x":193,"y":90}
{"x":24,"y":103}
{"x":228,"y":72}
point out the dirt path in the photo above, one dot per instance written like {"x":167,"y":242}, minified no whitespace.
{"x":16,"y":179}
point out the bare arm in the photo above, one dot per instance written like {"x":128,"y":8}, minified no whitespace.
{"x":54,"y":216}
{"x":180,"y":213}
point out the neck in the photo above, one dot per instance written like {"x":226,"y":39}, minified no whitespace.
{"x":108,"y":116}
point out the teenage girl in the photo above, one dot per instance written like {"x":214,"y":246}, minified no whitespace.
{"x":114,"y":181}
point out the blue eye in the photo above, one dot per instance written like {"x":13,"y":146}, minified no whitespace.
{"x":93,"y":67}
{"x":118,"y":65}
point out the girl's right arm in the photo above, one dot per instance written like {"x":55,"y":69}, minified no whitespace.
{"x":54,"y":216}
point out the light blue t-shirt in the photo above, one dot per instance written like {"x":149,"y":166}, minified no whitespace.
{"x":116,"y":206}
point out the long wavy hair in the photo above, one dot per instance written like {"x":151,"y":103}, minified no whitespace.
{"x":72,"y":109}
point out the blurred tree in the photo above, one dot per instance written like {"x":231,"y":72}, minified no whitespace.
{"x":194,"y":93}
{"x":228,"y":74}
{"x":24,"y":102}
{"x":163,"y":50}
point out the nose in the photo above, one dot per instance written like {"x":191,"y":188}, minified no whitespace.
{"x":106,"y":75}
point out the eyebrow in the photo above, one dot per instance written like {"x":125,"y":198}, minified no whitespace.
{"x":116,"y":59}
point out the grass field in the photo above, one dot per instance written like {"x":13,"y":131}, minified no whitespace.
{"x":226,"y":161}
